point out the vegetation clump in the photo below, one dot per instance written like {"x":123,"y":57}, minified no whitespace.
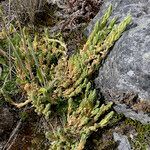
{"x":49,"y":77}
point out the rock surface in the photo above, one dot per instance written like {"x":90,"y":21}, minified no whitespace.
{"x":129,"y":113}
{"x":127,"y":67}
{"x":122,"y":140}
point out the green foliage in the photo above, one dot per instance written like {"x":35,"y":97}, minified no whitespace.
{"x":10,"y":87}
{"x":81,"y":122}
{"x":23,"y":115}
{"x":142,"y":139}
{"x":4,"y":69}
{"x":50,"y":78}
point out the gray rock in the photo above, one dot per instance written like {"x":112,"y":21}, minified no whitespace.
{"x":122,"y":140}
{"x":129,"y":113}
{"x":127,"y":67}
{"x":137,"y":8}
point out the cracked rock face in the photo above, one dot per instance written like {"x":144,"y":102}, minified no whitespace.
{"x":127,"y":67}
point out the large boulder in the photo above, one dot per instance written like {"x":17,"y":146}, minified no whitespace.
{"x":127,"y":67}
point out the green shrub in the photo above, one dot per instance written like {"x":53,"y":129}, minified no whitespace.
{"x":50,"y":78}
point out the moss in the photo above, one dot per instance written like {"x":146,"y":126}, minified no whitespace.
{"x":142,"y":140}
{"x":11,"y":87}
{"x":137,"y":133}
{"x":23,"y":115}
{"x":116,"y":119}
{"x":103,"y":139}
{"x":4,"y":44}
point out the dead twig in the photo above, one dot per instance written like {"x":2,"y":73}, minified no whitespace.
{"x":13,"y":136}
{"x":76,"y":12}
